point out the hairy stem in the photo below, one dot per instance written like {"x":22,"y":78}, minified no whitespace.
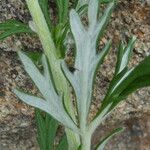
{"x":50,"y":51}
{"x":86,"y":141}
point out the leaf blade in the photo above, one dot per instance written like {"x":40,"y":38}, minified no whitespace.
{"x":11,"y":27}
{"x":63,"y":145}
{"x":102,"y":144}
{"x":124,"y":55}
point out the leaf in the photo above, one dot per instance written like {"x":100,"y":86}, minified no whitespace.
{"x":82,"y":10}
{"x":11,"y":27}
{"x":127,"y":82}
{"x":52,"y":103}
{"x":63,"y":145}
{"x":45,"y":9}
{"x":86,"y":60}
{"x":93,"y":12}
{"x":59,"y":36}
{"x":103,"y":21}
{"x":47,"y":128}
{"x":102,"y":144}
{"x":34,"y":56}
{"x":106,"y":1}
{"x":124,"y":55}
{"x":32,"y":100}
{"x":79,"y":148}
{"x":51,"y":128}
{"x":9,"y":24}
{"x":39,"y":81}
{"x":80,"y":3}
{"x":41,"y":129}
{"x":99,"y":119}
{"x":63,"y":7}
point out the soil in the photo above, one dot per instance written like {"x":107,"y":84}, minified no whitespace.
{"x":17,"y":124}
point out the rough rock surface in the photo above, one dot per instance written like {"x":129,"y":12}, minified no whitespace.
{"x":17,"y":125}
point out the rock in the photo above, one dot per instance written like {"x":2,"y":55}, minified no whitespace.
{"x":17,"y":125}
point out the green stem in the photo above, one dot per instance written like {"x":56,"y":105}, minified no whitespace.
{"x":86,"y":141}
{"x":50,"y":51}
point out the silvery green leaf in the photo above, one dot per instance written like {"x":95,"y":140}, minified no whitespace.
{"x":51,"y":102}
{"x":102,"y":144}
{"x":93,"y":12}
{"x":41,"y":104}
{"x":37,"y":77}
{"x":87,"y":60}
{"x":32,"y":100}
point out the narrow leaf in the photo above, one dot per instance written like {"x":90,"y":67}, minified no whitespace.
{"x":102,"y":144}
{"x":77,"y":27}
{"x":11,"y":27}
{"x":127,"y":82}
{"x":9,"y":24}
{"x":36,"y":76}
{"x":41,"y":129}
{"x":104,"y":20}
{"x":124,"y":55}
{"x":99,"y":118}
{"x":63,"y":7}
{"x":63,"y":145}
{"x":93,"y":12}
{"x":34,"y":56}
{"x":51,"y":129}
{"x":45,"y":9}
{"x":47,"y":128}
{"x":32,"y":100}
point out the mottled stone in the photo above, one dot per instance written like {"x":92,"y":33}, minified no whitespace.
{"x":17,"y":125}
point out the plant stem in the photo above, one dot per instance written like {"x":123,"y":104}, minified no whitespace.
{"x":50,"y":51}
{"x":86,"y":141}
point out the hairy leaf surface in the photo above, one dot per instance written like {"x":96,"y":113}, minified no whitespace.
{"x":87,"y":59}
{"x":52,"y":103}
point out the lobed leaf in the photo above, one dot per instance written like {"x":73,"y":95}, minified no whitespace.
{"x":86,"y":61}
{"x":52,"y":103}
